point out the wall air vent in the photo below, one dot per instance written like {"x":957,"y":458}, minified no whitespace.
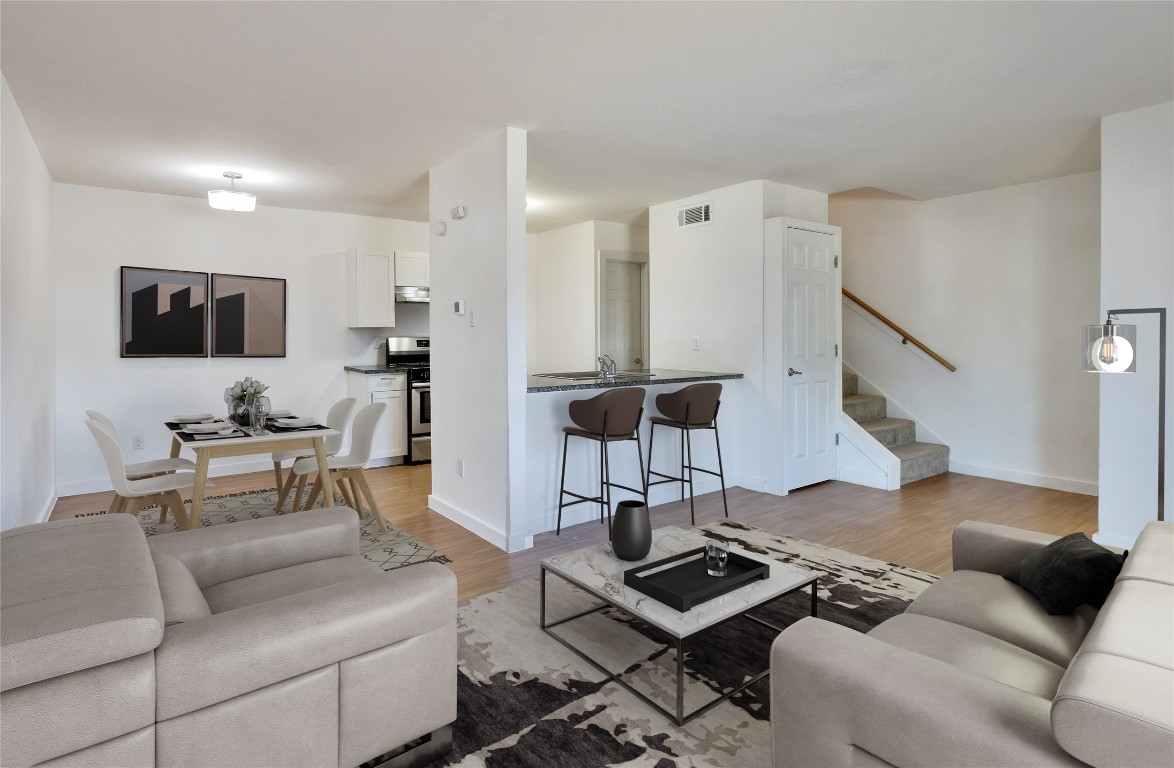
{"x":693,"y":216}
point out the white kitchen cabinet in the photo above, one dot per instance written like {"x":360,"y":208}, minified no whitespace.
{"x":411,"y":268}
{"x":391,"y":433}
{"x":370,"y":280}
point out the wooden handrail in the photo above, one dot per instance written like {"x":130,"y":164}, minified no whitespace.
{"x":906,"y":337}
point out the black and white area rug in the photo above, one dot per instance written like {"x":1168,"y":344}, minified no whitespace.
{"x":524,"y":700}
{"x":388,"y":549}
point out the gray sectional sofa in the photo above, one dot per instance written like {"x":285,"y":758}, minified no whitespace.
{"x":267,"y":642}
{"x":976,"y":673}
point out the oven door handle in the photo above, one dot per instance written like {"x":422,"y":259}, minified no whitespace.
{"x":422,"y":385}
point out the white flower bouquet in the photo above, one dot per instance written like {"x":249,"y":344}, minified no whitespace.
{"x":244,"y":390}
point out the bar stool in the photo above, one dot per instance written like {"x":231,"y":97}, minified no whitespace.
{"x":611,"y":417}
{"x":694,"y":407}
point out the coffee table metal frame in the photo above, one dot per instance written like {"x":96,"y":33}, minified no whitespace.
{"x":679,"y":717}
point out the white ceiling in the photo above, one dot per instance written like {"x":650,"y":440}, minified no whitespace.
{"x":344,"y":106}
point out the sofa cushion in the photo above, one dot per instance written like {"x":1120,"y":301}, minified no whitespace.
{"x":1137,"y":623}
{"x":989,"y":603}
{"x":182,"y":599}
{"x":75,"y":594}
{"x":1152,"y":557}
{"x":1111,"y":710}
{"x":1067,"y":573}
{"x":972,"y":651}
{"x":282,"y":582}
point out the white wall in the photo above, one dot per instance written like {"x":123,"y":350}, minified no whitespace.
{"x":98,"y":230}
{"x":1137,"y":271}
{"x":561,"y":291}
{"x":706,"y":284}
{"x":27,"y":297}
{"x":479,"y":372}
{"x":565,"y":322}
{"x":998,"y":283}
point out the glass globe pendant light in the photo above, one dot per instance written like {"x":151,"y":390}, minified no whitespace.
{"x":1109,"y":348}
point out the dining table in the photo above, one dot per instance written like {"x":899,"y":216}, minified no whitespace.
{"x":244,"y":443}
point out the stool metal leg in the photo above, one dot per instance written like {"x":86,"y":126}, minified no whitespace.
{"x":640,"y":454}
{"x":651,"y":441}
{"x":607,"y":484}
{"x":682,"y":465}
{"x":562,"y":486}
{"x":688,"y":433}
{"x":602,"y":479}
{"x":721,"y":472}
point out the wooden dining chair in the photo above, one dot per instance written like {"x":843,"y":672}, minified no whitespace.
{"x":344,"y":470}
{"x":338,"y":419}
{"x":131,"y":495}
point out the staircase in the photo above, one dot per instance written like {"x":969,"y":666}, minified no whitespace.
{"x":918,"y":460}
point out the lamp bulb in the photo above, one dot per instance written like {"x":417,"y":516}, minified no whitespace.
{"x":1108,"y":350}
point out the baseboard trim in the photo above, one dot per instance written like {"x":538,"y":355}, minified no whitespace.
{"x":1025,"y":478}
{"x":495,"y":537}
{"x":866,"y":479}
{"x":47,"y":510}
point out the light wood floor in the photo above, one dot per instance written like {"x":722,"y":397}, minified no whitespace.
{"x":911,"y":526}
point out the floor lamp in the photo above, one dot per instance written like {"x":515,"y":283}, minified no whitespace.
{"x":1109,"y":348}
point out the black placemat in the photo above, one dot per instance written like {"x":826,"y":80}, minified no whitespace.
{"x":189,"y":437}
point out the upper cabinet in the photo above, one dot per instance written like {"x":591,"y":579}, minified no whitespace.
{"x":411,"y":269}
{"x":370,"y":282}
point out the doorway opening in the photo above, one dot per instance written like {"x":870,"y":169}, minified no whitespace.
{"x":621,"y":314}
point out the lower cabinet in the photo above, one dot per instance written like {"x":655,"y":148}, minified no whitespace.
{"x":391,"y":434}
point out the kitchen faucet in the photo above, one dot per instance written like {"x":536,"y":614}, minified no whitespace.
{"x":607,"y":366}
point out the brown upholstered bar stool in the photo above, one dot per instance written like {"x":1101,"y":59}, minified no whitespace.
{"x":692,"y":408}
{"x":610,"y":417}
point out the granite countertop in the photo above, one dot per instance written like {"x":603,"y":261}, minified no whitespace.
{"x":536,"y":383}
{"x":376,"y":369}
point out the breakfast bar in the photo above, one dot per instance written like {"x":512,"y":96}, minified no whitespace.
{"x":548,"y":395}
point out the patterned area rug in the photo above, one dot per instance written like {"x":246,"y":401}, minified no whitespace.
{"x":390,"y":550}
{"x":525,"y":700}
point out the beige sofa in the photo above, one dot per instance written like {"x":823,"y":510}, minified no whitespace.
{"x":976,"y":673}
{"x":267,"y":642}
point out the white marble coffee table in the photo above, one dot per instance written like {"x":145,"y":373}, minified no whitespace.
{"x":599,"y":572}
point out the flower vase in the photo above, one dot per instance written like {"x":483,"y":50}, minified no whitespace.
{"x":631,"y":531}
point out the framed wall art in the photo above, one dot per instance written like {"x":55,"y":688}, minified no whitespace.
{"x":248,"y":316}
{"x":164,"y":313}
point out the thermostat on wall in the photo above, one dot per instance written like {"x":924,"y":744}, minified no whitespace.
{"x":458,"y":307}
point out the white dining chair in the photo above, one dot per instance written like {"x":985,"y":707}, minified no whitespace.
{"x":338,"y":419}
{"x":131,"y":495}
{"x":145,"y":468}
{"x":344,"y":469}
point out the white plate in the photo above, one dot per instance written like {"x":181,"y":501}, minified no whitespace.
{"x":190,"y":418}
{"x":200,"y":429}
{"x":302,"y":422}
{"x":278,"y":414}
{"x":229,"y":431}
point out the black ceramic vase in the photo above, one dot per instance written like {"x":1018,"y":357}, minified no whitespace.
{"x":631,"y":531}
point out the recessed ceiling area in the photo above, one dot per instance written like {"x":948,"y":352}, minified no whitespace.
{"x":344,"y":106}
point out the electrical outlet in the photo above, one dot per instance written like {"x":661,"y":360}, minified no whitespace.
{"x":696,"y":344}
{"x":460,"y":467}
{"x":137,"y":443}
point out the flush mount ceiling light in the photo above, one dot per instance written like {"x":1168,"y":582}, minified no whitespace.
{"x":230,"y":199}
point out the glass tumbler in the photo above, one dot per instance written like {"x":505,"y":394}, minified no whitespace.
{"x":717,"y":557}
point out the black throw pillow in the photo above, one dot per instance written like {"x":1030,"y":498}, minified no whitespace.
{"x":1068,"y":573}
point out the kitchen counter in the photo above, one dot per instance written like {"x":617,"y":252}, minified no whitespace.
{"x":377,"y":369}
{"x":536,"y":383}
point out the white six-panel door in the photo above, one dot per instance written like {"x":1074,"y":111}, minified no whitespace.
{"x":810,"y":380}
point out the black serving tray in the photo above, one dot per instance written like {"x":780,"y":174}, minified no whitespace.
{"x":688,"y":584}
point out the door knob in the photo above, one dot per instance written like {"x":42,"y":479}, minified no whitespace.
{"x":793,"y":372}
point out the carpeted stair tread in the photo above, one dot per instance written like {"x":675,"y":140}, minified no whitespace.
{"x":849,"y":384}
{"x":922,"y":460}
{"x":891,"y":432}
{"x":862,"y":408}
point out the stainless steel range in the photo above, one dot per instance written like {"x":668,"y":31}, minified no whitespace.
{"x":412,"y":354}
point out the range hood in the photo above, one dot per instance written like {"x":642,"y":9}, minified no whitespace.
{"x":411,"y":294}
